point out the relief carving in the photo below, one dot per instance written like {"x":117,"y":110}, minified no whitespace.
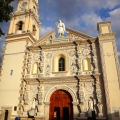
{"x":86,"y":52}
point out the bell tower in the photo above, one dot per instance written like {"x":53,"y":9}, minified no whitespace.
{"x":25,"y":19}
{"x":23,"y":32}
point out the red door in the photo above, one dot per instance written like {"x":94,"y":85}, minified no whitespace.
{"x":61,"y":106}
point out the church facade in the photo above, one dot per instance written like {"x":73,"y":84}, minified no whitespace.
{"x":65,"y":78}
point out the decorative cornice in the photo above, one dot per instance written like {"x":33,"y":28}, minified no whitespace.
{"x":64,"y":79}
{"x":14,"y":37}
{"x":62,"y":44}
{"x":107,"y":36}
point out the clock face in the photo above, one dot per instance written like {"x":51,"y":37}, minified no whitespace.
{"x":23,"y":4}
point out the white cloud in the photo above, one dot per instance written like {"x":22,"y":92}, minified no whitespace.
{"x":115,"y":21}
{"x":90,"y":20}
{"x":44,"y":30}
{"x":72,"y":23}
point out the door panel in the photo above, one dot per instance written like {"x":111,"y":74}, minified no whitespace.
{"x":61,"y":106}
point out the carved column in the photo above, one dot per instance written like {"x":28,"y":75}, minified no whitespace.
{"x":28,"y":65}
{"x":99,"y":97}
{"x":26,"y":106}
{"x":75,"y":110}
{"x":46,"y":110}
{"x":41,"y":64}
{"x":81,"y":97}
{"x":95,"y":62}
{"x":79,"y":65}
{"x":40,"y":101}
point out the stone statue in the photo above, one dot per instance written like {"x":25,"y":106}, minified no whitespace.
{"x":100,"y":106}
{"x":33,"y":103}
{"x":61,"y":28}
{"x":90,"y":104}
{"x":81,"y":107}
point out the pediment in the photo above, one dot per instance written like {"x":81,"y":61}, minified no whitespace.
{"x":77,"y":35}
{"x":50,"y":38}
{"x":45,"y":39}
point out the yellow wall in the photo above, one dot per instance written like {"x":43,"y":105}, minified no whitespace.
{"x":112,"y":76}
{"x":10,"y":85}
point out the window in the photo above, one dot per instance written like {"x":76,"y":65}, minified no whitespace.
{"x":86,"y":64}
{"x":20,"y":25}
{"x":34,"y":9}
{"x":61,"y":64}
{"x":34,"y":30}
{"x":11,"y":72}
{"x":35,"y":68}
{"x":15,"y":108}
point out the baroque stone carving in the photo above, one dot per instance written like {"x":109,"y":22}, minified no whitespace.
{"x":85,"y":52}
{"x":26,"y":95}
{"x":47,"y":73}
{"x":72,"y":53}
{"x":79,"y":65}
{"x":89,"y":88}
{"x":40,"y":94}
{"x":36,"y":57}
{"x":28,"y":68}
{"x":73,"y":67}
{"x":49,"y":55}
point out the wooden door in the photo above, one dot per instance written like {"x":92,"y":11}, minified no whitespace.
{"x":60,"y":106}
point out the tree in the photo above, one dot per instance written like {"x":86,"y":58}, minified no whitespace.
{"x":5,"y":12}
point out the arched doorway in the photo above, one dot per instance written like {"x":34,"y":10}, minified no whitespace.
{"x":61,"y":106}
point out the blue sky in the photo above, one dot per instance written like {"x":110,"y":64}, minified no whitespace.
{"x":81,"y":15}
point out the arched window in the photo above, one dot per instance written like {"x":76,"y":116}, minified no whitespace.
{"x":86,"y":64}
{"x":35,"y":68}
{"x":20,"y":25}
{"x":34,"y":9}
{"x":61,"y":64}
{"x":34,"y":30}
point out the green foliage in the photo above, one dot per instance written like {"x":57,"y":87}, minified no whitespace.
{"x":5,"y":12}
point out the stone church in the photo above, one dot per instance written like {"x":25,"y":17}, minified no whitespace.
{"x":68,"y":77}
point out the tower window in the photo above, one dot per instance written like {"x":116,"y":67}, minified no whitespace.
{"x":61,"y":64}
{"x":34,"y":9}
{"x":11,"y":72}
{"x":20,"y":25}
{"x":34,"y":30}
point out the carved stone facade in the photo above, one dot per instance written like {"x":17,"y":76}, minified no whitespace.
{"x":84,"y":67}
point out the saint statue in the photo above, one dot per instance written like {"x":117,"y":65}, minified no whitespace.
{"x":61,"y":28}
{"x":33,"y":103}
{"x":90,"y":104}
